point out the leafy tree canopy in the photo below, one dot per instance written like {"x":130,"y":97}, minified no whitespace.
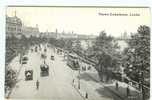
{"x":137,"y":55}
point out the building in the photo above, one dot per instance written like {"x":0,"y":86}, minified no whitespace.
{"x":57,"y":35}
{"x":48,"y":34}
{"x":30,"y":31}
{"x":124,"y":36}
{"x":67,"y":35}
{"x":87,"y":37}
{"x":13,"y":26}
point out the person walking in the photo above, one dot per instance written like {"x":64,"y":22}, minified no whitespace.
{"x":73,"y":81}
{"x":128,"y":91}
{"x":117,"y":86}
{"x":37,"y":84}
{"x":86,"y":95}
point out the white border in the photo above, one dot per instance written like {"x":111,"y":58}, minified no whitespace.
{"x":3,"y":4}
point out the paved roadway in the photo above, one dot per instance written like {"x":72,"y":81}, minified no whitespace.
{"x":55,"y":87}
{"x":58,"y":85}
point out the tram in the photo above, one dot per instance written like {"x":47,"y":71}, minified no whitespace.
{"x":59,"y":51}
{"x":72,"y":62}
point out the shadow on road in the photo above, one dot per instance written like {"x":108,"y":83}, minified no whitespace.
{"x":86,"y":77}
{"x":120,"y":94}
{"x":106,"y":94}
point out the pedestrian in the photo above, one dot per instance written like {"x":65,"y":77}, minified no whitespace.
{"x":116,"y":85}
{"x":86,"y":96}
{"x":140,"y":85}
{"x":73,"y":81}
{"x":128,"y":91}
{"x":37,"y":84}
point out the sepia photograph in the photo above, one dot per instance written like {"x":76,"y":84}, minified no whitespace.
{"x":77,"y":53}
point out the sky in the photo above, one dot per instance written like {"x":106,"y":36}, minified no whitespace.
{"x":83,"y":20}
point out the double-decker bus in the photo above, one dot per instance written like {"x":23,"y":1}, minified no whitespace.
{"x":44,"y":70}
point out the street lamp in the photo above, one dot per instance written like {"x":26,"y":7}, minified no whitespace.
{"x":141,"y":84}
{"x":21,"y":55}
{"x":79,"y":80}
{"x":79,"y":74}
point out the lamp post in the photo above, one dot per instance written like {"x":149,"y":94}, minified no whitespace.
{"x":79,"y":80}
{"x":141,"y":84}
{"x":21,"y":55}
{"x":79,"y":75}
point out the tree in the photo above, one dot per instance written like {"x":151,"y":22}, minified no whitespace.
{"x":69,"y":45}
{"x":60,"y":43}
{"x":106,"y":54}
{"x":78,"y":45}
{"x":77,"y":48}
{"x":137,"y":57}
{"x":10,"y":78}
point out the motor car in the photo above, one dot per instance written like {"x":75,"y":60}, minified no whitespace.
{"x":45,"y":50}
{"x":43,"y":56}
{"x":31,"y":50}
{"x":24,"y":62}
{"x":25,"y":58}
{"x":28,"y":75}
{"x":52,"y":57}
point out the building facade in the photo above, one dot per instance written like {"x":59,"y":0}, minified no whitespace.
{"x":30,"y":31}
{"x":67,"y":36}
{"x":13,"y":26}
{"x":48,"y":34}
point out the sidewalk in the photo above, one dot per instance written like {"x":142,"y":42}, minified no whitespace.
{"x":16,"y":66}
{"x":89,"y":91}
{"x":90,"y":88}
{"x":122,"y":90}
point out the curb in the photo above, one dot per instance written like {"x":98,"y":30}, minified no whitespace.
{"x":79,"y":92}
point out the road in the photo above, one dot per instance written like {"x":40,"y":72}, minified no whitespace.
{"x":58,"y":85}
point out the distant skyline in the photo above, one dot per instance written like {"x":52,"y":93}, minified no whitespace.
{"x":89,"y":21}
